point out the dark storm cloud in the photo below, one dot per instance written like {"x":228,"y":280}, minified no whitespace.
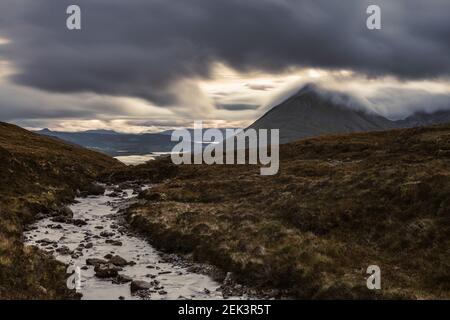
{"x":141,"y":47}
{"x":236,"y":106}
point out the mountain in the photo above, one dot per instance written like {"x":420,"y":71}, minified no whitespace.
{"x":119,"y":144}
{"x":313,"y":112}
{"x":38,"y":175}
{"x":421,"y":119}
{"x":114,"y":143}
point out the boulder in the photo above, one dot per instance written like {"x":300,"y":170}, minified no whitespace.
{"x":95,"y":261}
{"x":64,"y":250}
{"x":138,"y":285}
{"x":106,"y":271}
{"x":121,"y":278}
{"x":106,"y":234}
{"x":92,"y":189}
{"x":114,"y":242}
{"x":118,"y":261}
{"x":78,"y":222}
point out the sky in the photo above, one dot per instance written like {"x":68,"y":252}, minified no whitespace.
{"x":150,"y":65}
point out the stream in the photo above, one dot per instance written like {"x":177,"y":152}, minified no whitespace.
{"x":99,"y":234}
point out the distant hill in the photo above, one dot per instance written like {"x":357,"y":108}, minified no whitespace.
{"x":119,"y":144}
{"x":421,"y":119}
{"x":309,"y":113}
{"x":114,"y":143}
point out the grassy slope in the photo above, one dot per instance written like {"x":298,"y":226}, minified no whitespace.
{"x":339,"y":204}
{"x":37,"y":173}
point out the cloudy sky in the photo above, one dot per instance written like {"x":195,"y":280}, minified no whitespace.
{"x":146,"y":65}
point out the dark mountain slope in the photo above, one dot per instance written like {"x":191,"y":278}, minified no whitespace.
{"x":308,"y":114}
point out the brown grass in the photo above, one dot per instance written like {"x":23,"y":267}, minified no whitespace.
{"x":339,"y":204}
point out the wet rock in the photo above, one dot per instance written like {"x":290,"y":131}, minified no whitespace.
{"x":95,"y":261}
{"x":121,"y":278}
{"x":64,"y":250}
{"x":114,"y":242}
{"x":125,"y":185}
{"x":138,"y":285}
{"x":106,"y":234}
{"x":76,"y":255}
{"x":45,"y":241}
{"x":106,"y":271}
{"x":118,"y":261}
{"x":164,"y":272}
{"x":92,"y":189}
{"x":114,"y":194}
{"x":78,"y":222}
{"x":62,"y":219}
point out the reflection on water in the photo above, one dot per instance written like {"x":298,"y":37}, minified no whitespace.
{"x":134,"y":160}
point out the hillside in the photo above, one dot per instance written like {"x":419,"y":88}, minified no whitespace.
{"x":38,"y":174}
{"x":339,"y":204}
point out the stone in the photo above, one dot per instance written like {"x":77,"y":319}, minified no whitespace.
{"x":95,"y":261}
{"x":138,"y":285}
{"x":106,"y":271}
{"x":118,"y":261}
{"x":121,"y":278}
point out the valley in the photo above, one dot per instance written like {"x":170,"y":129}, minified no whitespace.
{"x":338,"y":204}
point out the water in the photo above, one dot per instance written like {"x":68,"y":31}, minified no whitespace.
{"x":140,"y":159}
{"x":100,"y":213}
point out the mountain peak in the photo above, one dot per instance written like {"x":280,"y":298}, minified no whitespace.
{"x":314,"y":111}
{"x":308,"y":89}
